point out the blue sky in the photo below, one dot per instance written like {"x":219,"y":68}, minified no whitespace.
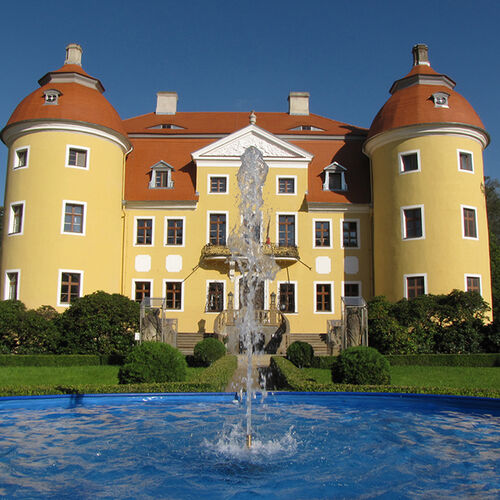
{"x":243,"y":56}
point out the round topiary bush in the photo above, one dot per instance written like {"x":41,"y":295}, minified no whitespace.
{"x":361,"y":365}
{"x":207,"y":351}
{"x":153,"y":362}
{"x":301,"y":354}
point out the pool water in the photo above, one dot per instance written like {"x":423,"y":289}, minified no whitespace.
{"x":305,"y":446}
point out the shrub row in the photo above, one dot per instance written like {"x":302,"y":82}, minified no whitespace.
{"x":59,"y":360}
{"x":477,"y":360}
{"x":289,"y":377}
{"x":214,"y":379}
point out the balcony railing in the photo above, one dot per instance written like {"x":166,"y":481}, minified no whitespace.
{"x":210,"y":251}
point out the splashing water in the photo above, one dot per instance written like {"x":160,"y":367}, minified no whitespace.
{"x":247,"y":252}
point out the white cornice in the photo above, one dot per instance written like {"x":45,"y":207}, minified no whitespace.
{"x":413,"y":131}
{"x":326,"y":206}
{"x":16,"y":130}
{"x":160,"y":204}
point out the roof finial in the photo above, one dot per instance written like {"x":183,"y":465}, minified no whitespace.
{"x":253,"y":118}
{"x":73,"y":54}
{"x":420,"y":54}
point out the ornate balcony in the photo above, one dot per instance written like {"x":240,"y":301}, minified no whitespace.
{"x":219,"y":252}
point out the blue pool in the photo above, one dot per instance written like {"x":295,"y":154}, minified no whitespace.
{"x":305,"y":446}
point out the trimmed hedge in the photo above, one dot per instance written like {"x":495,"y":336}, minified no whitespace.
{"x":361,"y":365}
{"x":477,"y":360}
{"x":214,"y":379}
{"x":207,"y":351}
{"x":289,"y":377}
{"x":59,"y":360}
{"x":300,"y":353}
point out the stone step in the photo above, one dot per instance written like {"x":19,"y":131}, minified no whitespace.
{"x":316,"y":340}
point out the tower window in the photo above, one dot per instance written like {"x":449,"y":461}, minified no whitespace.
{"x":409,"y":162}
{"x":465,"y":161}
{"x":287,"y":297}
{"x":12,"y":285}
{"x":350,"y":234}
{"x":217,"y":229}
{"x":21,"y":157}
{"x":173,"y":295}
{"x":74,"y":218}
{"x":175,"y":229}
{"x":322,"y":233}
{"x":142,"y":290}
{"x":218,"y":184}
{"x":286,"y":230}
{"x":469,"y":222}
{"x":473,"y":284}
{"x":70,"y":287}
{"x":77,"y":157}
{"x":323,"y":297}
{"x":413,"y":222}
{"x":286,"y":185}
{"x":352,"y":289}
{"x":16,"y":220}
{"x":215,"y":297}
{"x":415,"y":286}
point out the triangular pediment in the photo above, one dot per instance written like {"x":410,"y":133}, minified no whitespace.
{"x":235,"y":144}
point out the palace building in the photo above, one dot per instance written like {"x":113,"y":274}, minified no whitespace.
{"x":144,"y":206}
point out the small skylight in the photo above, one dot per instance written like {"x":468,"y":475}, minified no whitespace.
{"x":51,"y":96}
{"x":440,"y":99}
{"x":170,"y":126}
{"x":308,"y":128}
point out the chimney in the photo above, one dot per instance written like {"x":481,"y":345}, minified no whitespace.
{"x":420,"y":55}
{"x":166,"y":103}
{"x":73,"y":54}
{"x":298,"y":103}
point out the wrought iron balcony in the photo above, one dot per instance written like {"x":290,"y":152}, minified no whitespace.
{"x":216,"y":252}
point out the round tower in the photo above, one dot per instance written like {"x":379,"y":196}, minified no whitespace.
{"x":63,"y":199}
{"x":429,"y":212}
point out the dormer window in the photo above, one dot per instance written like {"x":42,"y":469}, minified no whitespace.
{"x":334,"y":177}
{"x":161,"y":176}
{"x":52,"y":96}
{"x":169,"y":126}
{"x":440,"y":99}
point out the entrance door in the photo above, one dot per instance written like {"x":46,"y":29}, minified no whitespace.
{"x":259,"y":296}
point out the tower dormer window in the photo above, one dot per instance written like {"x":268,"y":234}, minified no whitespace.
{"x":308,"y":127}
{"x":440,"y":99}
{"x":52,"y":96}
{"x":334,"y":177}
{"x":161,"y":176}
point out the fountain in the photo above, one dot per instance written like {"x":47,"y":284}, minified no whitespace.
{"x":253,"y":264}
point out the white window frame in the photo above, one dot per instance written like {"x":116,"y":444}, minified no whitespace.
{"x":471,"y":159}
{"x":332,"y":289}
{"x":165,"y":233}
{"x":401,"y":164}
{"x":293,"y":177}
{"x":330,"y":244}
{"x":140,"y":245}
{"x":209,"y":183}
{"x":139,"y":280}
{"x":296,"y":235}
{"x":217,"y":212}
{"x":404,"y":237}
{"x":84,"y":217}
{"x":358,"y":231}
{"x":69,"y":147}
{"x":295,"y":291}
{"x":350,"y":282}
{"x":15,"y":163}
{"x":472,"y":275}
{"x":164,"y":293}
{"x":11,"y":218}
{"x":414,"y":275}
{"x":223,"y":295}
{"x":7,"y":283}
{"x":463,"y":222}
{"x":59,"y":283}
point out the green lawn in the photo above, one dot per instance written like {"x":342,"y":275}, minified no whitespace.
{"x":71,"y":375}
{"x":430,"y":376}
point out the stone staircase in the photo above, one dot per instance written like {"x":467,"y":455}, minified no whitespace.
{"x":187,"y":341}
{"x":317,"y":340}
